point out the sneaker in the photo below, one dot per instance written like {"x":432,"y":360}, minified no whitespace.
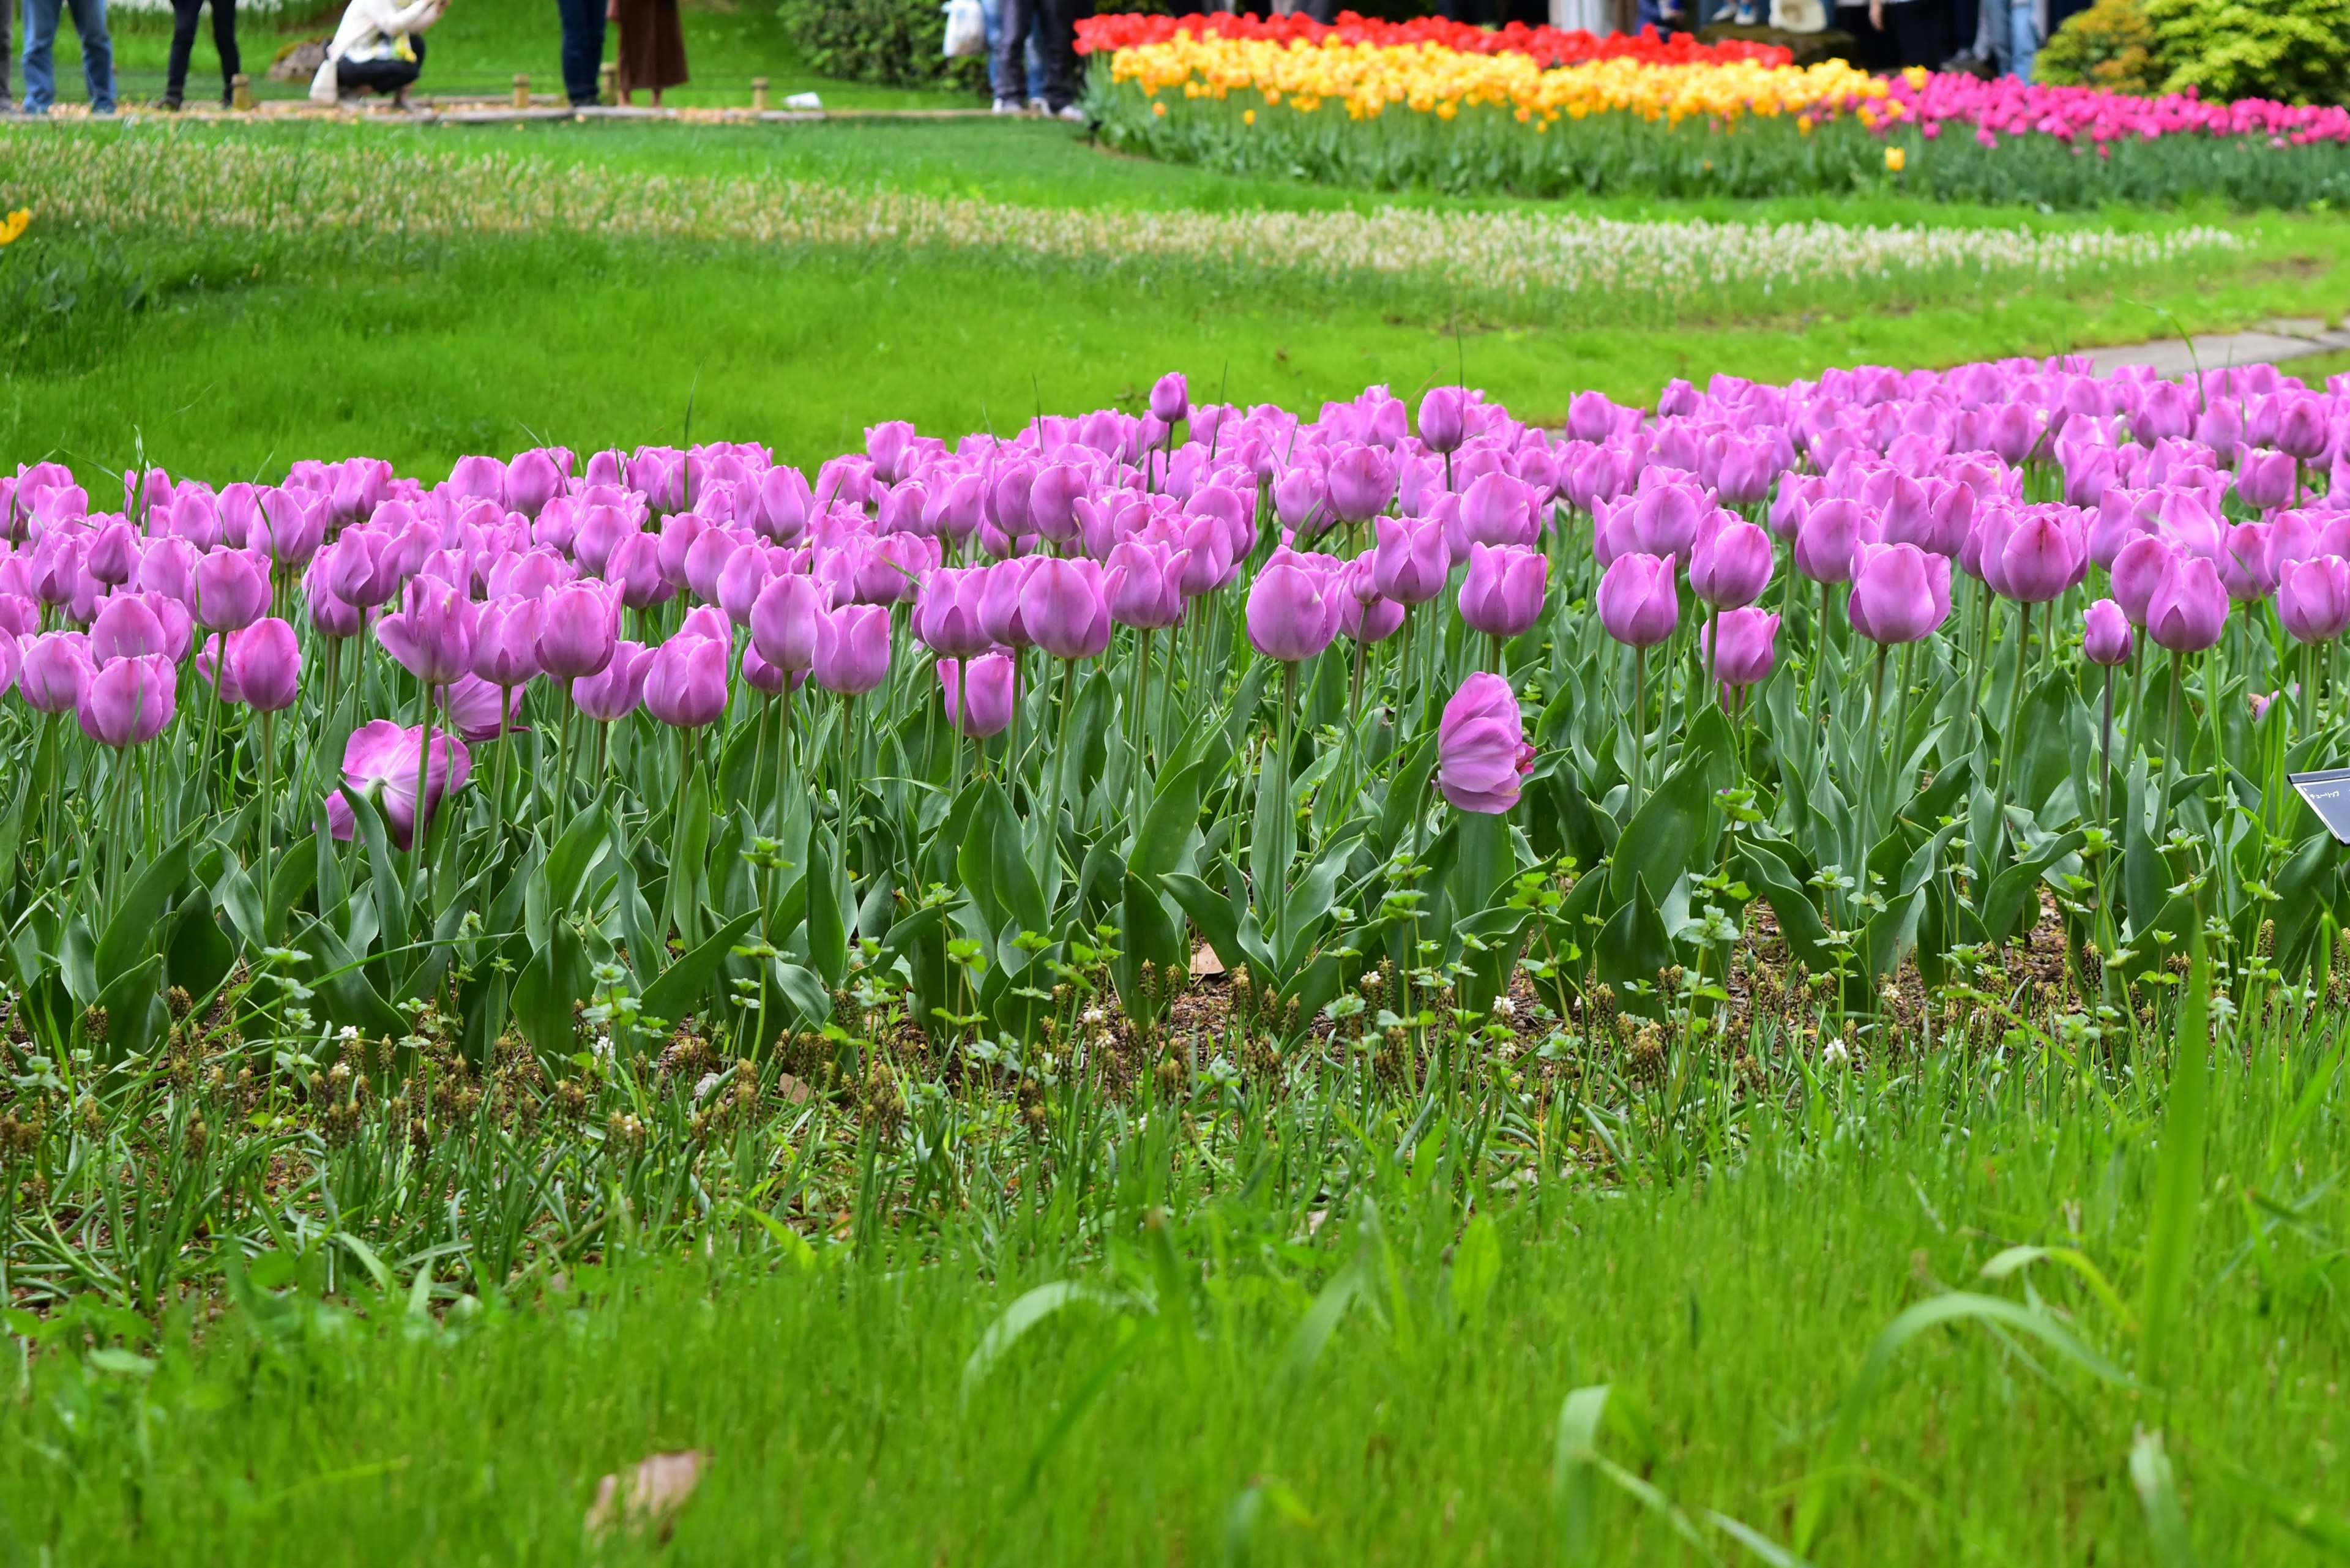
{"x":1007,"y":106}
{"x":167,"y":105}
{"x":1071,"y":113}
{"x":1038,"y":105}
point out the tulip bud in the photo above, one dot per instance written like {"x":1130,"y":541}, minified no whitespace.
{"x":685,"y":682}
{"x":1480,"y":746}
{"x":2313,"y":599}
{"x":266,"y":662}
{"x":852,"y":649}
{"x":1742,"y":644}
{"x":1731,"y":565}
{"x":2105,"y":634}
{"x":612,"y":693}
{"x":1503,"y":594}
{"x":130,"y":701}
{"x":1639,"y":602}
{"x":2189,"y":610}
{"x":978,"y":693}
{"x":1292,"y":611}
{"x":1899,"y":594}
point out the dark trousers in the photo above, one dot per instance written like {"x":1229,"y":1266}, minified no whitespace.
{"x":1916,"y":29}
{"x":583,"y":48}
{"x":183,"y":42}
{"x":385,"y":76}
{"x":1054,"y":22}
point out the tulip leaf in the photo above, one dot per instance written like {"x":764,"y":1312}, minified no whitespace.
{"x":2305,"y":890}
{"x":1485,"y":861}
{"x":1673,"y":830}
{"x":996,"y":831}
{"x":238,"y":897}
{"x":574,"y":855}
{"x":1145,"y":936}
{"x":1273,"y":831}
{"x":1406,"y":796}
{"x":1166,"y":828}
{"x":827,"y":935}
{"x":136,"y":1018}
{"x":687,"y":885}
{"x":1213,"y":914}
{"x":2011,"y":894}
{"x":200,"y":954}
{"x":341,"y":981}
{"x":1491,"y":941}
{"x":130,"y":932}
{"x":556,"y":978}
{"x":681,"y":988}
{"x":1799,"y":919}
{"x":1634,"y":947}
{"x":805,"y":989}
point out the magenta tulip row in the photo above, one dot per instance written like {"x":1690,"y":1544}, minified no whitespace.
{"x":2191,"y":496}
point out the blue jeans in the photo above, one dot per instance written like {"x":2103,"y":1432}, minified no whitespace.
{"x":2014,"y":36}
{"x":40,"y":49}
{"x":583,"y":48}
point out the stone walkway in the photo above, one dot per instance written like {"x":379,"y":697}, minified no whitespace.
{"x":2273,"y":343}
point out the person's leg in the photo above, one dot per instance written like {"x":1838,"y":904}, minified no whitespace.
{"x":225,"y":43}
{"x":583,"y":48}
{"x":40,"y":47}
{"x":1994,"y":32}
{"x":1010,"y":65}
{"x":1918,"y":27}
{"x":2023,"y":37}
{"x":184,"y":14}
{"x":6,"y":12}
{"x":97,"y":53}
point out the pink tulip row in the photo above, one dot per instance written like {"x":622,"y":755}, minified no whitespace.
{"x":514,"y":573}
{"x":2011,"y":107}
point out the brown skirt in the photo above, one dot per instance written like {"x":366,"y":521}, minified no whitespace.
{"x":652,"y":46}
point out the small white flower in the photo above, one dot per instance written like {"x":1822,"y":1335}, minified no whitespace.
{"x":701,"y":1089}
{"x":1836,"y":1050}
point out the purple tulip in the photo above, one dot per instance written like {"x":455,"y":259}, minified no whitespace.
{"x":978,"y":693}
{"x":125,"y":629}
{"x":2247,"y":566}
{"x":1664,"y":520}
{"x":379,"y":761}
{"x":1899,"y":593}
{"x":1061,"y":605}
{"x":232,"y":590}
{"x":1747,"y":467}
{"x":1170,"y":399}
{"x":1363,"y":614}
{"x":1731,"y":565}
{"x":532,"y":480}
{"x":852,"y":649}
{"x":11,"y":657}
{"x":55,"y":669}
{"x":2300,"y":428}
{"x":1143,"y":585}
{"x":1292,"y":610}
{"x":784,"y":622}
{"x":1638,"y":601}
{"x":1362,"y":482}
{"x":1053,"y":500}
{"x":1410,"y":564}
{"x":209,"y":663}
{"x":478,"y":478}
{"x":2313,"y":599}
{"x":890,"y":444}
{"x":2140,"y":568}
{"x":433,"y":634}
{"x":2267,"y":478}
{"x":505,"y":639}
{"x":999,"y":601}
{"x":741,"y":582}
{"x":265,"y":660}
{"x":2189,"y":610}
{"x":1497,"y":509}
{"x":2106,"y":636}
{"x":480,"y":709}
{"x":1301,"y":499}
{"x":612,"y":693}
{"x":1480,"y":747}
{"x":634,"y":569}
{"x":685,"y":682}
{"x":2039,"y":559}
{"x":129,"y":702}
{"x":1742,"y":644}
{"x":113,"y":554}
{"x":1830,"y":532}
{"x":577,"y":629}
{"x":297,"y":526}
{"x":1443,"y":419}
{"x":1503,"y":594}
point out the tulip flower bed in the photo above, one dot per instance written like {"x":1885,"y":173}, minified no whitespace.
{"x":1545,"y":46}
{"x":931,"y":778}
{"x":1425,"y":112}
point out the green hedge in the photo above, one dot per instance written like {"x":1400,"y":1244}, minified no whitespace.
{"x":889,"y":43}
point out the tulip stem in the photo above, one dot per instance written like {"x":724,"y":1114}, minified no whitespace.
{"x":1868,"y":788}
{"x":1640,"y":723}
{"x":268,"y":810}
{"x":424,"y":750}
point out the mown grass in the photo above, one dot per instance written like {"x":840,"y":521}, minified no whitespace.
{"x":1186,"y":1411}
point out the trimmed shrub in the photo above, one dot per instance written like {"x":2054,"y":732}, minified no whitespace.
{"x":2111,"y":46}
{"x":2293,"y":51}
{"x":887,"y":43}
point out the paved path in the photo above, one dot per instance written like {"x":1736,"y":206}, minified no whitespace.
{"x":2274,"y":342}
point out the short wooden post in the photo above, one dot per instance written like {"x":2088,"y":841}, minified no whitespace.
{"x":522,"y":89}
{"x":240,"y":90}
{"x":759,"y":94}
{"x":608,"y":80}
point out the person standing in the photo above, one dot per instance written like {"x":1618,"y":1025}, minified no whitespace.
{"x":183,"y":42}
{"x":40,"y":53}
{"x":2011,"y":36}
{"x":1054,"y":23}
{"x":652,"y":47}
{"x":583,"y":48}
{"x":1915,"y":29}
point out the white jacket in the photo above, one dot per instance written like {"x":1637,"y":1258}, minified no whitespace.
{"x":368,"y":25}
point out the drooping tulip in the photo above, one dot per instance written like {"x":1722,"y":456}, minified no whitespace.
{"x":1503,"y":594}
{"x":1480,"y":746}
{"x":1638,"y":603}
{"x":2189,"y":610}
{"x":852,"y":649}
{"x":2313,"y":599}
{"x":265,"y":661}
{"x":381,"y":761}
{"x":130,"y":701}
{"x":1899,"y":593}
{"x":2105,"y":637}
{"x":978,"y":693}
{"x":685,"y":683}
{"x":1742,"y":645}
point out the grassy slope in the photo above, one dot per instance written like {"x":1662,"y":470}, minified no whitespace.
{"x":481,"y":43}
{"x":1729,"y":1313}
